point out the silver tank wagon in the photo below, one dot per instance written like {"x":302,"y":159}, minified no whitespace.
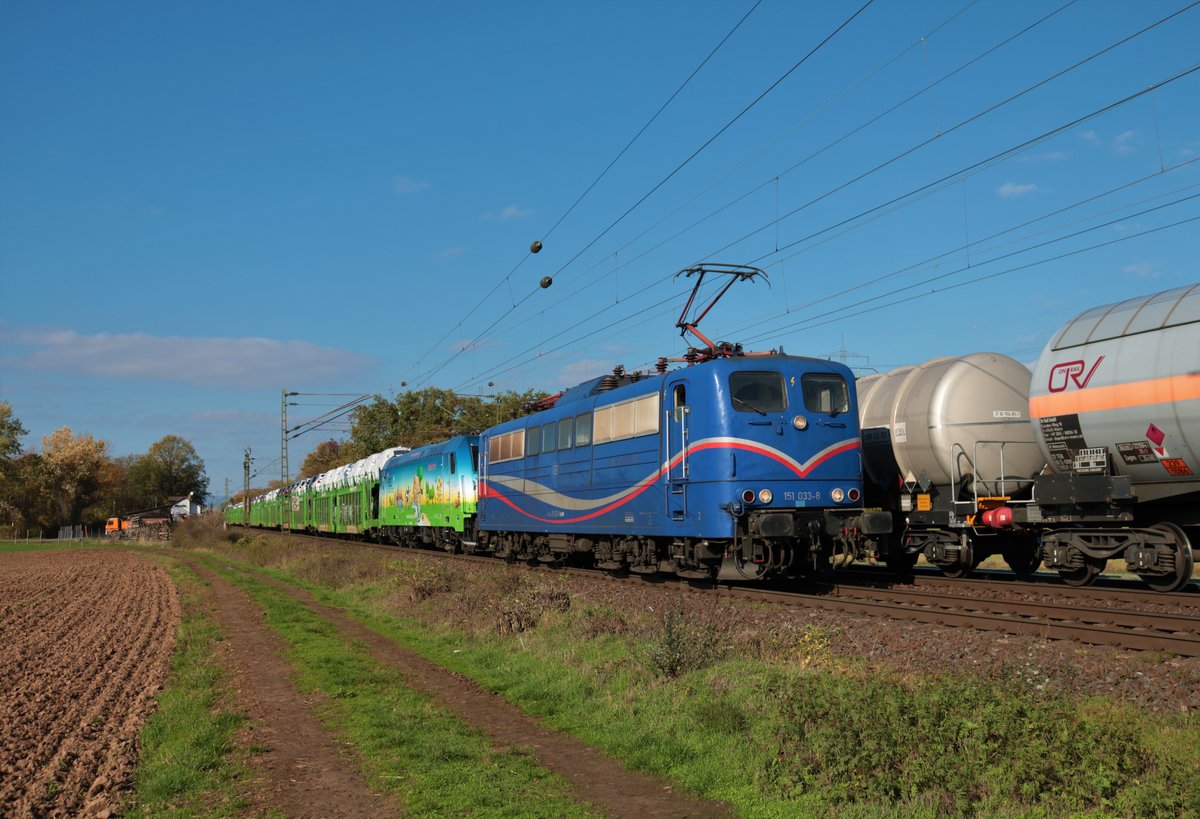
{"x":1115,"y":401}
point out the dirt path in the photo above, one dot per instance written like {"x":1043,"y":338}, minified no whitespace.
{"x":301,"y":770}
{"x":85,"y":646}
{"x":597,"y":778}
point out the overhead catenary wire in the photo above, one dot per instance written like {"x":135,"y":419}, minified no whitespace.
{"x":977,"y":264}
{"x":978,"y":166}
{"x":826,"y":318}
{"x":673,"y":297}
{"x":424,"y":377}
{"x":950,"y":178}
{"x":607,"y":168}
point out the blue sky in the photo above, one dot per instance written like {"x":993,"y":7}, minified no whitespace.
{"x":202,"y":205}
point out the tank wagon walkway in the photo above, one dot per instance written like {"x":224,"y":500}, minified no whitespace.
{"x":305,"y":786}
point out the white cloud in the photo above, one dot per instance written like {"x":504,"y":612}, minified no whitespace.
{"x":451,"y":252}
{"x":582,"y":370}
{"x":510,"y":212}
{"x":1091,"y":138}
{"x":406,"y":184}
{"x":1123,"y":143}
{"x":1142,"y":270}
{"x":225,"y":362}
{"x":1011,"y":190}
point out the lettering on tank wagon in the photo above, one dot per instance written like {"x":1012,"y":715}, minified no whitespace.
{"x":1063,"y":375}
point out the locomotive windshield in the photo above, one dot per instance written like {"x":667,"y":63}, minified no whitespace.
{"x":757,"y":392}
{"x":825,"y":392}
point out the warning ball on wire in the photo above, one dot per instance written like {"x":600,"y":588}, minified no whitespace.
{"x":546,"y":282}
{"x":535,"y":247}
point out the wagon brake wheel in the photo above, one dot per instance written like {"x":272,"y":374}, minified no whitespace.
{"x":1184,"y":561}
{"x":1023,"y":562}
{"x":966,"y":562}
{"x":1092,"y":566}
{"x":900,"y":563}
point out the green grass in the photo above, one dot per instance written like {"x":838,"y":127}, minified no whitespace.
{"x":778,"y":727}
{"x":188,"y":764}
{"x":48,"y":545}
{"x":432,"y":761}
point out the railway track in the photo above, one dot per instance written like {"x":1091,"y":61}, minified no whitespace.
{"x":1008,"y":607}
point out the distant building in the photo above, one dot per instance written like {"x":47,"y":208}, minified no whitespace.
{"x":185,"y":508}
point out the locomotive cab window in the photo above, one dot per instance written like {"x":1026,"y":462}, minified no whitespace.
{"x":757,"y":392}
{"x":825,"y":393}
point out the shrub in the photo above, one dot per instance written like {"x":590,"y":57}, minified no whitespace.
{"x":687,"y":641}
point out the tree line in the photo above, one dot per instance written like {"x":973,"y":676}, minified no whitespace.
{"x":74,"y":479}
{"x":412,"y":419}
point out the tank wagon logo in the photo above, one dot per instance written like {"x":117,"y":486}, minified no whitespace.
{"x":1063,"y":375}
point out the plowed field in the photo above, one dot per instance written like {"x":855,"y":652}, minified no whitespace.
{"x":85,"y":644}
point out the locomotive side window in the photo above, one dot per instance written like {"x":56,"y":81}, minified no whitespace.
{"x":757,"y":392}
{"x":623,"y":420}
{"x":603,"y":428}
{"x":506,"y":447}
{"x":646,"y":412}
{"x":680,"y":395}
{"x":583,"y":429}
{"x":628,"y":419}
{"x":825,"y":392}
{"x":549,"y":437}
{"x":533,"y":441}
{"x":566,"y":429}
{"x":453,"y":464}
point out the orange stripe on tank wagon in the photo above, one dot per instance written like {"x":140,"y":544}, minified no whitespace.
{"x":1134,"y":394}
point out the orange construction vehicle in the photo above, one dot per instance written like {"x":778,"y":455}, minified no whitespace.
{"x":116,"y":527}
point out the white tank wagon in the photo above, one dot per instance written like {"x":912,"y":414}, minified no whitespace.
{"x":1115,"y":403}
{"x":942,"y":442}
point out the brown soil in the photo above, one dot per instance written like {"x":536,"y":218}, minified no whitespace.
{"x":598,"y":779}
{"x":85,"y":645}
{"x":299,"y":768}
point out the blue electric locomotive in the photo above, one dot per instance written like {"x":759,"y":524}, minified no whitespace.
{"x":750,"y":461}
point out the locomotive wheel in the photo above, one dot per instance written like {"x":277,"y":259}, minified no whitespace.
{"x":1023,"y":562}
{"x":1085,"y":576}
{"x":1184,"y":561}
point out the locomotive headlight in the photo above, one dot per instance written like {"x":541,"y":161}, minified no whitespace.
{"x":766,"y":496}
{"x":837,"y":495}
{"x":800,"y":422}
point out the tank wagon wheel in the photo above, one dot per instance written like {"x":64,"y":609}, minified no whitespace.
{"x":1084,"y":576}
{"x":967,"y":561}
{"x":900,"y":563}
{"x":1184,"y":561}
{"x":1023,"y":562}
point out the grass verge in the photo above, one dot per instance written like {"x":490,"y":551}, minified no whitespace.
{"x":430,"y":759}
{"x":188,"y":765}
{"x":778,"y":727}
